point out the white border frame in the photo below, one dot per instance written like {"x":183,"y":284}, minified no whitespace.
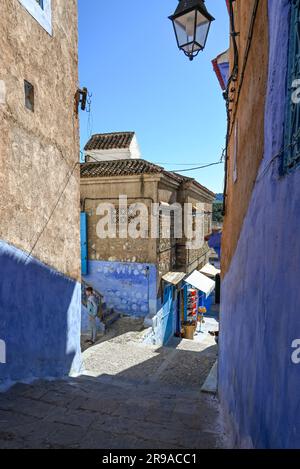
{"x":43,"y":16}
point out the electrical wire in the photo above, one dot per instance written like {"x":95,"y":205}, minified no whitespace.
{"x":93,"y":158}
{"x":199,"y":167}
{"x":52,"y":211}
{"x":278,"y":155}
{"x":179,"y":164}
{"x":246,"y":56}
{"x":232,"y":78}
{"x":90,"y":121}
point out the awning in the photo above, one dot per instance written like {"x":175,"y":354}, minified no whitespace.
{"x":210,"y":270}
{"x":221,"y":68}
{"x":174,"y":277}
{"x":201,"y":282}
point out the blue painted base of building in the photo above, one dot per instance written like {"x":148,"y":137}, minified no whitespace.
{"x":259,"y":384}
{"x":131,"y":289}
{"x":40,"y":315}
{"x":165,"y":320}
{"x":128,"y":288}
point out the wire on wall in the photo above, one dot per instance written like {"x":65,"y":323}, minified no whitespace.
{"x":233,"y":78}
{"x":89,"y":110}
{"x":53,"y":210}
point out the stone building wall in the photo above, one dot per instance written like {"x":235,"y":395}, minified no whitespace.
{"x":245,"y":154}
{"x":107,"y":191}
{"x":38,"y":150}
{"x":40,"y":198}
{"x":260,"y":321}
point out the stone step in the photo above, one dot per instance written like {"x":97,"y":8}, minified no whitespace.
{"x":137,"y":387}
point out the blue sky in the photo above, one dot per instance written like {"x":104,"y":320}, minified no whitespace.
{"x":140,"y":81}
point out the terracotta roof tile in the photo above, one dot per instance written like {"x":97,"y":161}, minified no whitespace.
{"x":119,"y":168}
{"x":131,"y":167}
{"x":111,"y":141}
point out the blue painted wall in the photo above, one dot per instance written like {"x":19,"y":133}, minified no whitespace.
{"x":129,"y":288}
{"x":40,"y":313}
{"x":165,"y":320}
{"x":214,"y":242}
{"x":258,"y":383}
{"x":83,"y":243}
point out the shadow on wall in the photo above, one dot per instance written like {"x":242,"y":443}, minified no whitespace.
{"x":40,"y":314}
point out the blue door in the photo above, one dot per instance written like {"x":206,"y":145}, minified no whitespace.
{"x":168,"y":314}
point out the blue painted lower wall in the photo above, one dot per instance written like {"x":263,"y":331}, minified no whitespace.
{"x":164,"y":322}
{"x":259,"y":385}
{"x":40,"y":314}
{"x":128,"y":288}
{"x":131,"y":289}
{"x":214,"y":242}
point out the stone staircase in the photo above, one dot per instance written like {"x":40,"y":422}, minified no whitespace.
{"x":107,"y":412}
{"x":128,"y":396}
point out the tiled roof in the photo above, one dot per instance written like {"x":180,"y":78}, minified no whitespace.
{"x":131,"y":167}
{"x":196,"y":183}
{"x":119,"y":168}
{"x":111,"y":141}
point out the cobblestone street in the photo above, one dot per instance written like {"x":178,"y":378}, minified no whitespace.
{"x":130,"y":396}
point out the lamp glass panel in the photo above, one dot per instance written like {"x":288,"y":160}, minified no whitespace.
{"x":185,"y":28}
{"x":202,"y":27}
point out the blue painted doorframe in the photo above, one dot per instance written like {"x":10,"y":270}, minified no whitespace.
{"x":83,"y":241}
{"x":178,"y":312}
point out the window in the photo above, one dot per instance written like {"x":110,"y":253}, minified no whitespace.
{"x":41,"y":11}
{"x":29,"y":95}
{"x":291,"y":157}
{"x":123,"y":215}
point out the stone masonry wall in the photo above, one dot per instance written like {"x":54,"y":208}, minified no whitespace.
{"x":38,"y":150}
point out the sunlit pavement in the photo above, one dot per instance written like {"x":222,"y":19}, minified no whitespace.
{"x":132,"y":396}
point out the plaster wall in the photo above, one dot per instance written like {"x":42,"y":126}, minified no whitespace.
{"x":247,"y":122}
{"x":128,"y":288}
{"x":164,"y":321}
{"x":40,"y":196}
{"x":38,"y":149}
{"x":258,"y":381}
{"x":39,"y":319}
{"x":133,"y":152}
{"x":166,"y":244}
{"x":108,"y":190}
{"x":190,"y":259}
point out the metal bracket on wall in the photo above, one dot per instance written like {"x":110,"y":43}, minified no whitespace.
{"x":81,"y":99}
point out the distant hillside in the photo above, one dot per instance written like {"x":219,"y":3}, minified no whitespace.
{"x":218,"y":209}
{"x":219,"y":198}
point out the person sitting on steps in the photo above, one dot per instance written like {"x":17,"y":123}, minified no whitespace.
{"x":92,"y":309}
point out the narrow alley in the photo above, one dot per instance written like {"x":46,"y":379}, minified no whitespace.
{"x":130,"y":395}
{"x":149,"y":218}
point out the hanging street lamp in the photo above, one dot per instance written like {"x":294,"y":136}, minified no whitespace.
{"x":191,"y":22}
